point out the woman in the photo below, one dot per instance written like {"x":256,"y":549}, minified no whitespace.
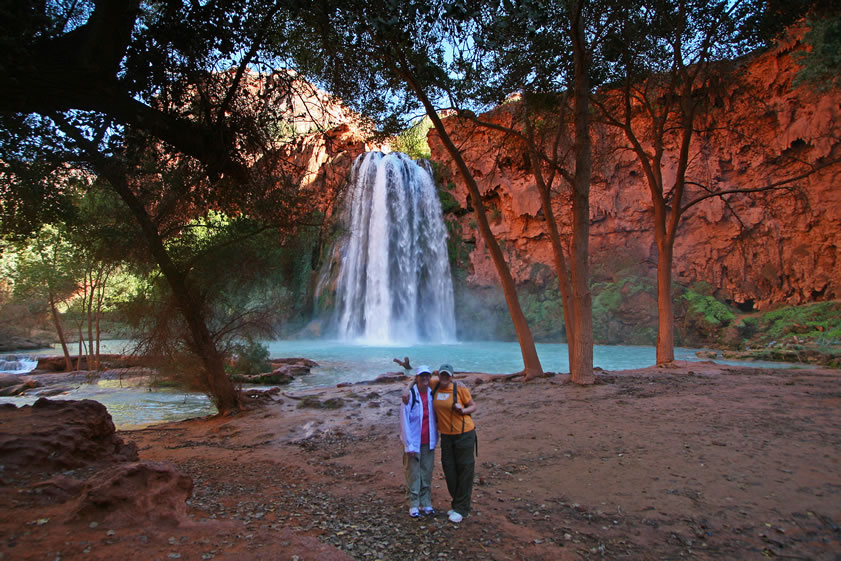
{"x":420,"y":435}
{"x":453,"y":405}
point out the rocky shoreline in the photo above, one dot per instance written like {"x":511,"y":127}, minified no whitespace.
{"x":826,"y":356}
{"x":49,"y":377}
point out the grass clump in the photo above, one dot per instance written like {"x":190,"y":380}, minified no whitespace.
{"x":617,"y":304}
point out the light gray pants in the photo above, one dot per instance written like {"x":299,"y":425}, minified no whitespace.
{"x":419,"y":476}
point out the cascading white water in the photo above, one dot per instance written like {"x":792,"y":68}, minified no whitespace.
{"x":17,"y":364}
{"x":394,"y":283}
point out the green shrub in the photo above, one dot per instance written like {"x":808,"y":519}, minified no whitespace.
{"x":449,"y":204}
{"x":457,"y":248}
{"x":832,"y":336}
{"x":250,"y":357}
{"x":544,"y":310}
{"x":701,"y":288}
{"x":616,"y":305}
{"x":608,"y":297}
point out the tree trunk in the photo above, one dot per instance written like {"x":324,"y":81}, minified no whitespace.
{"x":96,"y":315}
{"x":216,"y":381}
{"x":68,"y":363}
{"x":104,"y":274}
{"x":581,"y":372}
{"x":558,"y":257}
{"x":531,"y":362}
{"x":665,"y":306}
{"x":91,"y":361}
{"x":81,"y":346}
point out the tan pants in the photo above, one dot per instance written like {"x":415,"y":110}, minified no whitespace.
{"x":419,"y":476}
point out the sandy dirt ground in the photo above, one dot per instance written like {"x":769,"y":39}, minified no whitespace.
{"x":694,"y":461}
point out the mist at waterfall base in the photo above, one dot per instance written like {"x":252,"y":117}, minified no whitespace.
{"x":390,"y":267}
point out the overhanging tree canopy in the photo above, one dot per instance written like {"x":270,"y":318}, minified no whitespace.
{"x":169,"y":102}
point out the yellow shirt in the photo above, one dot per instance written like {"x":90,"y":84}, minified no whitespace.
{"x":449,"y":420}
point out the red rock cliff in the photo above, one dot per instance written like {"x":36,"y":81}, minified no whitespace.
{"x":764,"y":249}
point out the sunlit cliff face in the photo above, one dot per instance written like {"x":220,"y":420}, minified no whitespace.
{"x":780,"y":246}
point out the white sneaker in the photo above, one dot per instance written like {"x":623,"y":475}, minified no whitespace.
{"x":414,"y":512}
{"x":428,"y":510}
{"x":455,"y":517}
{"x":449,"y":512}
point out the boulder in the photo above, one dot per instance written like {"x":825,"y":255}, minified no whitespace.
{"x":51,"y":435}
{"x":135,"y":493}
{"x":55,"y":363}
{"x":387,"y":378}
{"x":278,"y":362}
{"x":57,"y":489}
{"x":284,"y":370}
{"x":7,"y":380}
{"x":291,"y":370}
{"x":273,"y":378}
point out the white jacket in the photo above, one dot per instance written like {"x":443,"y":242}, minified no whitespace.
{"x":411,"y":419}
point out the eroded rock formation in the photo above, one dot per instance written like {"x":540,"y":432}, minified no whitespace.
{"x":54,"y":435}
{"x":135,"y":493}
{"x":82,"y":481}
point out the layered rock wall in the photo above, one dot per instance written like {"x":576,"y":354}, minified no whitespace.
{"x":756,"y":250}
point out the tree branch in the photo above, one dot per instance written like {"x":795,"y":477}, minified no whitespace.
{"x":777,"y":185}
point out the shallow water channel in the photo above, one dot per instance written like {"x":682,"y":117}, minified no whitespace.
{"x":131,"y":404}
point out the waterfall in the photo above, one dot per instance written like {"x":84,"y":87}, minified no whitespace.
{"x":394,"y":283}
{"x":17,"y":364}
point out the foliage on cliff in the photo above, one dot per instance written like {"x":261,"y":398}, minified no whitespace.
{"x":819,"y":322}
{"x":704,"y":313}
{"x":412,"y":141}
{"x":821,"y":62}
{"x":810,"y":333}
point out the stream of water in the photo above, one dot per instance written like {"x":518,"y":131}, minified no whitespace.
{"x":131,"y":404}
